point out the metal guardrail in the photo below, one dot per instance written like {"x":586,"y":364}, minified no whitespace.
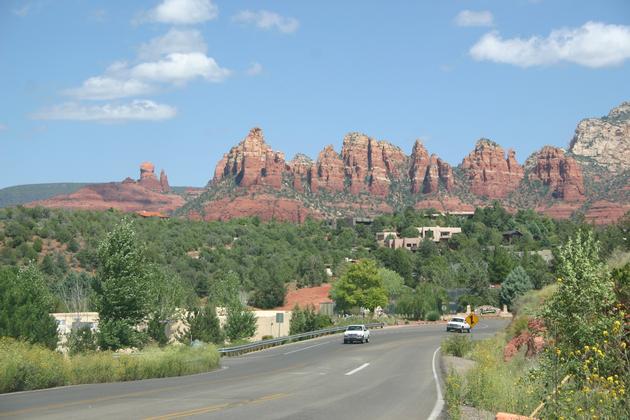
{"x":263,"y":344}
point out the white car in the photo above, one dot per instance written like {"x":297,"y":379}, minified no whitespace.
{"x":458,"y":324}
{"x":359,"y":333}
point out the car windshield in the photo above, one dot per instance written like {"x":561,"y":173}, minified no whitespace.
{"x":457,"y":320}
{"x":355,"y":328}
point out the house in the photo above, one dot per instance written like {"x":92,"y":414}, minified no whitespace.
{"x":512,"y":235}
{"x":391,"y":238}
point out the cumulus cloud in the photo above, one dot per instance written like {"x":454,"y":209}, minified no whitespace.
{"x":267,"y":20}
{"x":178,"y":68}
{"x":255,"y":69}
{"x":174,"y":41}
{"x":472,"y":18}
{"x":104,"y":88}
{"x":594,"y":45}
{"x":173,"y":58}
{"x":137,"y":110}
{"x":182,"y":12}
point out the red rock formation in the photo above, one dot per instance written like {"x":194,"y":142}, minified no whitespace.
{"x":129,"y":197}
{"x":147,"y":177}
{"x":489,"y":172}
{"x":301,"y":167}
{"x":355,"y":153}
{"x":265,"y":206}
{"x":604,"y":212}
{"x":561,"y":173}
{"x":252,"y":162}
{"x":164,"y":182}
{"x":427,"y":172}
{"x":329,"y":171}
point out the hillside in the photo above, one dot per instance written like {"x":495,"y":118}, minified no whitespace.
{"x":21,"y":194}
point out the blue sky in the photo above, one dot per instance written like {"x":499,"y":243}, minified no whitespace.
{"x":90,"y":89}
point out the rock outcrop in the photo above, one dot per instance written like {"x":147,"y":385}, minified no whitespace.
{"x":426,"y":173}
{"x":148,"y":179}
{"x":490,"y":173}
{"x":301,"y":167}
{"x":128,"y":197}
{"x":329,"y":171}
{"x":560,"y":173}
{"x":252,"y":162}
{"x":164,"y":182}
{"x":605,"y":140}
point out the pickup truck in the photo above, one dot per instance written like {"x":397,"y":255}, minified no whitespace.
{"x":354,"y":333}
{"x":458,"y":324}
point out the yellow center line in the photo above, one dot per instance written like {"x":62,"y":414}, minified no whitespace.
{"x":217,"y":407}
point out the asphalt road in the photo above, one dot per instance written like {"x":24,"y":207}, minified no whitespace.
{"x":389,"y":378}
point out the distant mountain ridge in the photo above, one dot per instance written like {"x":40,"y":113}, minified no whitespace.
{"x":21,"y":194}
{"x":369,"y":177}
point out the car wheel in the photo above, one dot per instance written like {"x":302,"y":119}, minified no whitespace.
{"x":345,"y":341}
{"x":367,"y":340}
{"x":468,"y":330}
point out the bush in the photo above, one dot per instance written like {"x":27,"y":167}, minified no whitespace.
{"x":454,"y":395}
{"x":81,"y":340}
{"x":25,"y":366}
{"x":433,"y":316}
{"x":457,"y":345}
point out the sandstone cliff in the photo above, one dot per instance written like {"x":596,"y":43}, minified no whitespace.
{"x":489,"y":172}
{"x":605,"y":140}
{"x":560,"y":173}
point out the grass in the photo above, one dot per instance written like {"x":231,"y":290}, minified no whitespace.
{"x":492,"y":384}
{"x":25,"y":366}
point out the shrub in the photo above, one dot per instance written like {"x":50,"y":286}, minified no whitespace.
{"x":81,"y":340}
{"x":433,"y":316}
{"x":25,"y":366}
{"x":267,"y":337}
{"x":454,"y":395}
{"x":29,"y":366}
{"x":457,"y":345}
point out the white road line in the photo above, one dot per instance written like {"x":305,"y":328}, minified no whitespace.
{"x":439,"y":402}
{"x":304,"y":348}
{"x":353,"y":371}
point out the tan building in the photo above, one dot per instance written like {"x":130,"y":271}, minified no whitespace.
{"x":391,"y":238}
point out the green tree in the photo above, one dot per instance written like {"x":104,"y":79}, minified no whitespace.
{"x":307,"y":319}
{"x":500,"y":264}
{"x":204,"y":325}
{"x":240,"y":323}
{"x":81,"y":340}
{"x":392,"y":282}
{"x":516,"y":284}
{"x":410,"y":232}
{"x":224,"y":288}
{"x":123,"y":288}
{"x":269,"y":290}
{"x":360,"y":286}
{"x":575,"y":313}
{"x":312,"y":271}
{"x":25,"y":303}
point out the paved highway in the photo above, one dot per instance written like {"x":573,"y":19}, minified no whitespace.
{"x":389,"y":378}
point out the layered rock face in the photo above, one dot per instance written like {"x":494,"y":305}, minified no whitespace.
{"x":148,"y":179}
{"x":605,"y":140}
{"x":252,"y":162}
{"x":559,"y":172}
{"x":329,"y":173}
{"x":489,"y":172}
{"x":301,"y":167}
{"x":427,"y":172}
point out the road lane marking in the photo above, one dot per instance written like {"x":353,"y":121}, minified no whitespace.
{"x":217,"y":407}
{"x":353,"y":371}
{"x":439,"y":402}
{"x":305,"y":348}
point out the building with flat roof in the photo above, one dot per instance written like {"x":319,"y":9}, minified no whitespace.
{"x":392,"y":239}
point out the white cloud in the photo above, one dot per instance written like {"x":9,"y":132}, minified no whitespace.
{"x":594,"y":45}
{"x":174,"y":41}
{"x":183,"y":12}
{"x":178,"y":68}
{"x":472,"y":18}
{"x":255,"y":69}
{"x":22,"y":11}
{"x":267,"y":20}
{"x":104,"y":88}
{"x":137,"y":110}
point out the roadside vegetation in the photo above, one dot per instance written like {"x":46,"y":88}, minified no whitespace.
{"x":583,"y":369}
{"x":142,"y":274}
